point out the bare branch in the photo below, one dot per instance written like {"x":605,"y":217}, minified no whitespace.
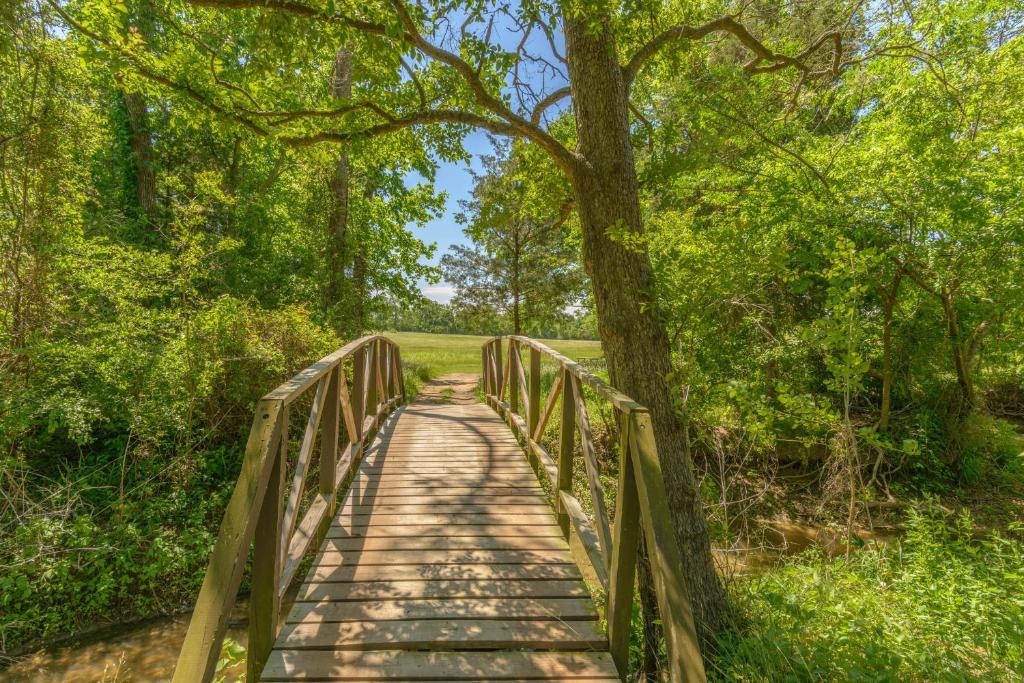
{"x":548,"y":101}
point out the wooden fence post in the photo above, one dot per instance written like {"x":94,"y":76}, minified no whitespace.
{"x":684,"y":659}
{"x":329,"y":427}
{"x":533,"y":409}
{"x":514,"y":362}
{"x":566,"y":446}
{"x":264,"y":603}
{"x":625,"y":543}
{"x":370,"y":406}
{"x":358,"y":393}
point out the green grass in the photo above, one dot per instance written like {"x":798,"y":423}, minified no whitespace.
{"x":446,"y":353}
{"x":940,"y":605}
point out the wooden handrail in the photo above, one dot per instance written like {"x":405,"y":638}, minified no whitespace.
{"x":263,"y":514}
{"x":610,"y":546}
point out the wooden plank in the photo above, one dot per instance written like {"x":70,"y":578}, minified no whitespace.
{"x":470,"y":478}
{"x":443,"y":530}
{"x":460,"y":634}
{"x":331,"y":556}
{"x":463,"y":467}
{"x":375,"y":488}
{"x":390,"y":665}
{"x":448,"y":543}
{"x":465,"y":608}
{"x":493,"y":518}
{"x":441,"y":588}
{"x":532,"y":507}
{"x":429,"y":500}
{"x":411,"y":572}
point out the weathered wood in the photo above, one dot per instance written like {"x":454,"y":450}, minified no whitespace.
{"x":199,"y":653}
{"x":298,"y":487}
{"x":625,"y":543}
{"x":254,"y":501}
{"x":404,"y":544}
{"x":424,"y":531}
{"x":310,"y":529}
{"x":436,"y":572}
{"x":584,"y":531}
{"x":534,"y":398}
{"x":466,"y":608}
{"x":358,"y":394}
{"x":515,"y":368}
{"x":264,"y":601}
{"x":329,"y":437}
{"x":593,"y":472}
{"x":440,"y":588}
{"x":685,"y":662}
{"x":287,"y":665}
{"x":500,"y":517}
{"x":458,"y":634}
{"x":333,"y":557}
{"x":566,"y":448}
{"x":556,"y":389}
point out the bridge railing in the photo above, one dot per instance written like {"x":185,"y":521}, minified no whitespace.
{"x":264,"y":513}
{"x":611,"y":545}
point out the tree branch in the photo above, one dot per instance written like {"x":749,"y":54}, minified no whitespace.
{"x":764,"y":59}
{"x":548,"y":101}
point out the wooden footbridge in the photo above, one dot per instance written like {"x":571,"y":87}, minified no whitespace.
{"x":450,"y":545}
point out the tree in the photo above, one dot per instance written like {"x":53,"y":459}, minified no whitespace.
{"x":456,"y":77}
{"x":521,"y":265}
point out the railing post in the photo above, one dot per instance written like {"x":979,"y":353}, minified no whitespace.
{"x":514,"y":361}
{"x":533,"y":410}
{"x":358,"y":393}
{"x":625,"y":543}
{"x":566,"y":446}
{"x":401,"y":375}
{"x":498,"y":388}
{"x":485,"y":369}
{"x":684,"y":659}
{"x":370,"y":408}
{"x":329,"y":426}
{"x":264,"y":603}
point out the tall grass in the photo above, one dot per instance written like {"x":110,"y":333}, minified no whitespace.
{"x":941,"y":605}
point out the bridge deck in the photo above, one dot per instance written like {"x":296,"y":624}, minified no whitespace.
{"x":444,"y":562}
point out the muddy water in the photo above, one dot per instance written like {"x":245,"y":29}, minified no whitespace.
{"x":140,"y":652}
{"x":786,"y":539}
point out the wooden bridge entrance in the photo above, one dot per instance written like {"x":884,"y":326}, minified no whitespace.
{"x":445,"y":559}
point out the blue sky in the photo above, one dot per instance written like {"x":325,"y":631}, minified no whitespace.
{"x":457,"y":181}
{"x":455,"y":178}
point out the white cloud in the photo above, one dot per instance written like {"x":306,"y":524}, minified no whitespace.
{"x":439,"y":293}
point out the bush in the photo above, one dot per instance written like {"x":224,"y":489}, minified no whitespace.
{"x":939,"y":606}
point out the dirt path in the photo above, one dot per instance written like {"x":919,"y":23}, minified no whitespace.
{"x":454,"y":388}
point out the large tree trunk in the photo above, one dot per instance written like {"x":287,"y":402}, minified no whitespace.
{"x":633,"y":336}
{"x":142,"y":153}
{"x":339,"y":186}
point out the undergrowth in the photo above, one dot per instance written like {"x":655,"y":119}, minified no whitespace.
{"x":940,"y":605}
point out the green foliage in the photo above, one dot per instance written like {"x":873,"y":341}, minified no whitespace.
{"x":940,"y":605}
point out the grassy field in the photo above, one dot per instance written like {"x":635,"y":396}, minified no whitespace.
{"x":446,"y":353}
